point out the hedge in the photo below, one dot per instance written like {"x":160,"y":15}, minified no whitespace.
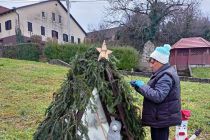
{"x":127,"y":56}
{"x":26,"y":51}
{"x":65,"y":52}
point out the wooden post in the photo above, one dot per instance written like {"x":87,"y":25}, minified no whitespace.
{"x":120,"y":108}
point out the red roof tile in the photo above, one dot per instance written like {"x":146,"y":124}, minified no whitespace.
{"x":193,"y":42}
{"x":3,"y":9}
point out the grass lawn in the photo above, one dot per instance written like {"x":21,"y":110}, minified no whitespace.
{"x":195,"y":97}
{"x":26,"y":90}
{"x":201,"y":72}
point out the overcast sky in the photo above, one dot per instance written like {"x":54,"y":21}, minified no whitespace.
{"x":87,"y":13}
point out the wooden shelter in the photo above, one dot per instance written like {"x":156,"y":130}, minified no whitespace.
{"x":190,"y":51}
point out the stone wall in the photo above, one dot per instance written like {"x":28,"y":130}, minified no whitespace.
{"x":149,"y":47}
{"x":59,"y":62}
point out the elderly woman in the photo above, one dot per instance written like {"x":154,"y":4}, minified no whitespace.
{"x":161,"y":106}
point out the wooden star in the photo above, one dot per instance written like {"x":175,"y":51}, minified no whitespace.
{"x":104,"y":53}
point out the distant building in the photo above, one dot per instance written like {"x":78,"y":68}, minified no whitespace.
{"x":106,"y":34}
{"x":190,"y":51}
{"x":3,"y":9}
{"x":48,"y":19}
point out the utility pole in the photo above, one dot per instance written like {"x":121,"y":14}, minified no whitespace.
{"x":68,"y":5}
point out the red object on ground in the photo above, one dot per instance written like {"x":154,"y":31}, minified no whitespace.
{"x":186,"y":114}
{"x":181,"y":133}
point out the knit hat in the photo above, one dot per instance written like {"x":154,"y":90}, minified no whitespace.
{"x":161,"y":54}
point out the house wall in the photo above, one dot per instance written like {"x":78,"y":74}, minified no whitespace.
{"x":33,"y":14}
{"x":208,"y":55}
{"x":172,"y":57}
{"x":198,"y":56}
{"x":6,"y":33}
{"x":194,"y":56}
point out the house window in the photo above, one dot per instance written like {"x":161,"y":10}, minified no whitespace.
{"x":54,"y":34}
{"x":65,"y":37}
{"x":0,"y":27}
{"x":42,"y":30}
{"x":8,"y":25}
{"x":117,"y":36}
{"x":30,"y":27}
{"x":72,"y":39}
{"x":53,"y":16}
{"x":43,"y":14}
{"x":59,"y":17}
{"x":78,"y":40}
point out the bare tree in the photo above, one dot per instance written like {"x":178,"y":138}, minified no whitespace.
{"x":184,"y":23}
{"x":127,"y":12}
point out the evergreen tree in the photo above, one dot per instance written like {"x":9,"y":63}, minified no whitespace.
{"x":19,"y":36}
{"x":63,"y":116}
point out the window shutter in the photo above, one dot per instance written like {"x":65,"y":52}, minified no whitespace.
{"x":42,"y":30}
{"x":30,"y":27}
{"x":53,"y":16}
{"x":8,"y":25}
{"x":65,"y":37}
{"x":43,"y":14}
{"x":54,"y":34}
{"x":72,"y":39}
{"x":59,"y":18}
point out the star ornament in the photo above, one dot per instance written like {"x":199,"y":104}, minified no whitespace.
{"x":104,"y":52}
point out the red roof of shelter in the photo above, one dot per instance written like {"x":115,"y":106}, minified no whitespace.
{"x":3,"y":9}
{"x":192,"y":42}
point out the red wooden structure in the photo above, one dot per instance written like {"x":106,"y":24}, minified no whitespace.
{"x":190,"y":51}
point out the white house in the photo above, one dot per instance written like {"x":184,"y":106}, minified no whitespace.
{"x":48,"y":19}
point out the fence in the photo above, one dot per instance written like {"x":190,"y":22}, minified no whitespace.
{"x":182,"y":78}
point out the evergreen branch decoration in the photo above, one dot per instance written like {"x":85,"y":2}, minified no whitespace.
{"x":63,"y":116}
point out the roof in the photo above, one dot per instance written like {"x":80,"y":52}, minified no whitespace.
{"x":11,"y":10}
{"x":107,"y":32}
{"x":3,"y":9}
{"x":192,"y":42}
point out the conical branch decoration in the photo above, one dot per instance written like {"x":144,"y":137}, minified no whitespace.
{"x":63,"y":116}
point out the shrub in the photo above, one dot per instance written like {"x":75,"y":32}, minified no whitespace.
{"x":9,"y":52}
{"x":127,"y":56}
{"x":52,"y":50}
{"x":28,"y":52}
{"x":36,"y":39}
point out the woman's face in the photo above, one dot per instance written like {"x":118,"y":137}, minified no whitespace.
{"x":154,"y":64}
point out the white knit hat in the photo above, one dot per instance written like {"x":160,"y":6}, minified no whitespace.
{"x":161,"y":54}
